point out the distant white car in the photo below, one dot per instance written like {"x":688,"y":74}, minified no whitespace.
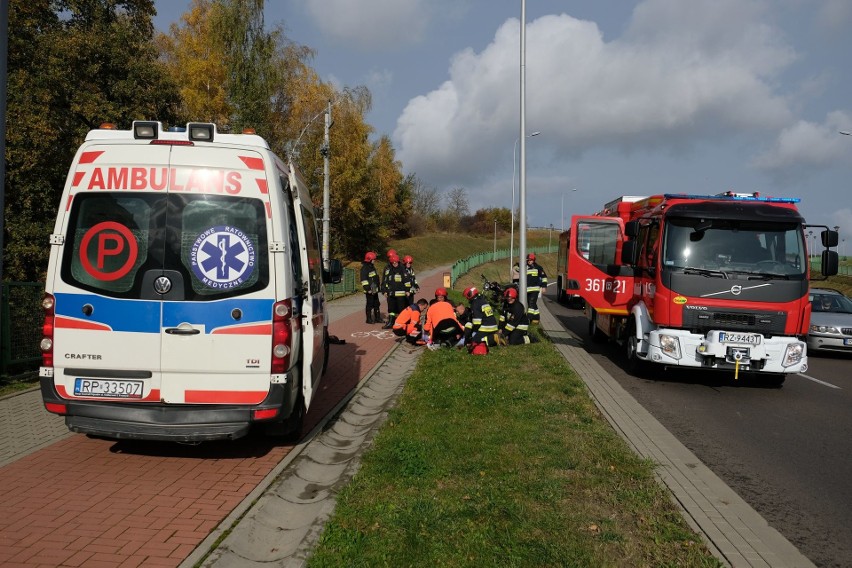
{"x":831,"y":321}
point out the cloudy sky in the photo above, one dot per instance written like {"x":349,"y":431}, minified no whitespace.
{"x":629,"y":97}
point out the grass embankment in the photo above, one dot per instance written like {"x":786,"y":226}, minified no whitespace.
{"x":503,"y":460}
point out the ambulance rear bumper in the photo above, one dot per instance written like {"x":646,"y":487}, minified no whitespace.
{"x":162,"y":422}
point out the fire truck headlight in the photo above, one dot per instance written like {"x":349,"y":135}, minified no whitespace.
{"x":793,"y":354}
{"x":670,"y":345}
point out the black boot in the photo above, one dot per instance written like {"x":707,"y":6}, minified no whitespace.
{"x":377,"y":316}
{"x":389,"y":323}
{"x":369,"y":316}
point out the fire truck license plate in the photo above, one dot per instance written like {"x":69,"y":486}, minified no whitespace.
{"x":739,"y":337}
{"x":107,"y":388}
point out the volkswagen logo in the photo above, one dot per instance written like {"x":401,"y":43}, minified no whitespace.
{"x":162,"y":285}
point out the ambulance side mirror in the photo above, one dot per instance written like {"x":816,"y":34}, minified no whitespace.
{"x":334,"y":274}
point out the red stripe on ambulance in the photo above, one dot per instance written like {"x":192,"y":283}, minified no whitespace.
{"x":224,"y":397}
{"x":253,"y":163}
{"x":71,"y":323}
{"x":89,"y":157}
{"x":251,"y":329}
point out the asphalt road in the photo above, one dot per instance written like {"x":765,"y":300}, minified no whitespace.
{"x":786,"y":450}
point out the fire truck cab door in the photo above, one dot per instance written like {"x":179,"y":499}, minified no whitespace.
{"x":594,"y":261}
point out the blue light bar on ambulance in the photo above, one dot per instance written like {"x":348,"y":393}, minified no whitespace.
{"x":735,"y":197}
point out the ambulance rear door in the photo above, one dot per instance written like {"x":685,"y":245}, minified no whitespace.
{"x":216,"y":282}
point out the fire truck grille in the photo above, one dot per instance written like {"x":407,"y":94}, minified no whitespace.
{"x":766,"y":323}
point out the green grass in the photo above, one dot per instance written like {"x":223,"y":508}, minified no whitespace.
{"x":503,"y":460}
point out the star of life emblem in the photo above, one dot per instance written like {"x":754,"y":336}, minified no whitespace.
{"x":223,"y":257}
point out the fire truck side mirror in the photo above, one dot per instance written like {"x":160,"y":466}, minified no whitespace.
{"x":830,"y":262}
{"x":829,"y":238}
{"x":629,"y":252}
{"x":631,"y":229}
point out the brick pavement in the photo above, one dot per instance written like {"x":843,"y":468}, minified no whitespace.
{"x":88,"y":502}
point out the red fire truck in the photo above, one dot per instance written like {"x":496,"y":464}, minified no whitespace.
{"x":706,"y":281}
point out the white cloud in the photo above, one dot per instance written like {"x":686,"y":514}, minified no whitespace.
{"x":806,"y":145}
{"x":372,"y":24}
{"x":681,"y":71}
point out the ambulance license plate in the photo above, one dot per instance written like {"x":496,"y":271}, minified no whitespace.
{"x":739,"y":337}
{"x":108,"y":388}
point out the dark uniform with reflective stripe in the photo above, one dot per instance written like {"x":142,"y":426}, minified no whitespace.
{"x":394,"y":281}
{"x":482,"y":325}
{"x":370,"y":283}
{"x":536,"y":282}
{"x":514,"y":323}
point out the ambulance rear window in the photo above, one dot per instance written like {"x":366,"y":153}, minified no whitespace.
{"x":210,"y":247}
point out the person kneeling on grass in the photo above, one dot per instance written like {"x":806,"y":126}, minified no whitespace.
{"x":514,"y":323}
{"x":441,"y":326}
{"x":407,"y":323}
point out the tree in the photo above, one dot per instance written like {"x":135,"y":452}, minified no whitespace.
{"x":72,"y":65}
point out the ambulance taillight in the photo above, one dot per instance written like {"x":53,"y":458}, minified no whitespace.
{"x":282,"y":336}
{"x":46,"y":345}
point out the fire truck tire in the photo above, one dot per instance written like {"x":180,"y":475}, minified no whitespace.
{"x":596,"y":334}
{"x":635,"y":366}
{"x":560,"y":293}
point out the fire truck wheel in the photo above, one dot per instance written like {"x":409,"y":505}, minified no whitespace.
{"x":560,"y":294}
{"x":597,"y":335}
{"x":635,"y":365}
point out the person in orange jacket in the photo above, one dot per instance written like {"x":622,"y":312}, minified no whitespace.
{"x":441,"y":325}
{"x":407,"y":323}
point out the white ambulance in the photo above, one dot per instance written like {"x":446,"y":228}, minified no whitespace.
{"x":184,"y":295}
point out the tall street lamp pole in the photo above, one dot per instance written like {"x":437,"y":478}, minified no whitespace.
{"x":512,"y":232}
{"x":522,"y":250}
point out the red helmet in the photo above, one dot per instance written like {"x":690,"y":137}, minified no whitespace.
{"x":407,"y":259}
{"x":393,"y":257}
{"x":531,"y":256}
{"x":370,"y":257}
{"x":441,"y":292}
{"x":471,"y":292}
{"x":510,"y":293}
{"x":391,"y":253}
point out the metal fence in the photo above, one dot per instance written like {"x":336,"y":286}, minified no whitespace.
{"x":462,"y":267}
{"x":22,"y":317}
{"x":349,"y":284}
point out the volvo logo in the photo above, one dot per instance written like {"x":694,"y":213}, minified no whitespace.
{"x":735,"y":290}
{"x":162,"y":285}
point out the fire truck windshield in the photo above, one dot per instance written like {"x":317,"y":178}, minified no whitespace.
{"x":734,"y":246}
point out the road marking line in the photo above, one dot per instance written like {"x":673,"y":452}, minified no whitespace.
{"x":819,"y":381}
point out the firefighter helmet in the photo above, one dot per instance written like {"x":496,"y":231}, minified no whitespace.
{"x":407,"y":259}
{"x":510,"y":293}
{"x":531,"y":256}
{"x":441,"y":292}
{"x":370,"y":257}
{"x":471,"y":292}
{"x":393,"y":258}
{"x":391,"y":252}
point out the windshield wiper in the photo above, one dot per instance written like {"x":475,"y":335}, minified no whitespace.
{"x":761,"y":275}
{"x":705,"y":272}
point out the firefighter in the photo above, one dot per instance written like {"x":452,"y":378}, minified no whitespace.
{"x":411,"y":282}
{"x":393,"y":287}
{"x":370,"y":283}
{"x":514,"y":324}
{"x":407,"y":323}
{"x":536,"y":282}
{"x":482,"y":327}
{"x":441,"y":326}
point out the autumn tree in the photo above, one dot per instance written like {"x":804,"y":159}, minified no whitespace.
{"x":72,"y":64}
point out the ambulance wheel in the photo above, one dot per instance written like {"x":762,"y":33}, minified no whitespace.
{"x":293,"y":424}
{"x":325,"y":350}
